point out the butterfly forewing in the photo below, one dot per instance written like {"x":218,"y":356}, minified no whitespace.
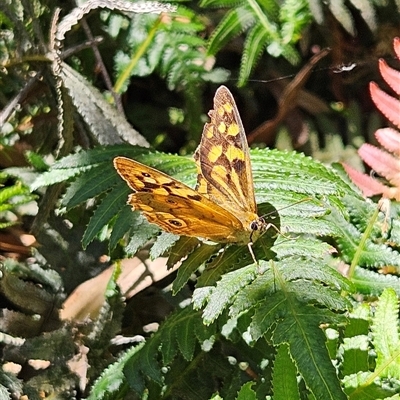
{"x":223,"y":157}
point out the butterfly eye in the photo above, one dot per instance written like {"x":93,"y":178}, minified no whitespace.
{"x":257,"y":224}
{"x":254,"y":226}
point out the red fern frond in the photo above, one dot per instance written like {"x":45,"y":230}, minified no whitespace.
{"x":390,"y":139}
{"x":385,"y":164}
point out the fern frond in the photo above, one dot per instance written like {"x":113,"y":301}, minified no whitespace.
{"x":343,"y":15}
{"x":123,"y":223}
{"x":374,"y":373}
{"x":234,"y":22}
{"x":112,"y":378}
{"x":285,"y":373}
{"x":178,"y":334}
{"x":385,"y":332}
{"x":163,"y":243}
{"x":253,"y":48}
{"x":192,"y":263}
{"x":373,"y":283}
{"x":108,"y":208}
{"x":267,"y":26}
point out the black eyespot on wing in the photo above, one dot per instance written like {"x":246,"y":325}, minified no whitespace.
{"x":196,"y":197}
{"x":175,"y":222}
{"x":169,"y":201}
{"x":146,"y":175}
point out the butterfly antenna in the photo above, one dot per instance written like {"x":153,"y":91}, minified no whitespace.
{"x":290,"y":205}
{"x":271,"y":225}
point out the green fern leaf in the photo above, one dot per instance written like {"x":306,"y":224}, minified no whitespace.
{"x":186,"y":339}
{"x":234,"y":22}
{"x":183,"y":247}
{"x":220,"y":3}
{"x":92,"y":183}
{"x":385,"y":332}
{"x":284,"y":380}
{"x":110,"y":206}
{"x":141,"y":232}
{"x":355,"y":354}
{"x":55,"y":176}
{"x":235,"y":257}
{"x":79,"y":163}
{"x":143,"y":364}
{"x":253,"y":48}
{"x":373,"y":283}
{"x":246,"y":392}
{"x":168,"y":340}
{"x":112,"y":378}
{"x":372,"y":254}
{"x":291,"y":270}
{"x":124,"y":221}
{"x":194,"y":261}
{"x":308,"y":350}
{"x":313,"y":269}
{"x":221,"y":295}
{"x":359,"y":386}
{"x":163,"y":242}
{"x":304,"y":246}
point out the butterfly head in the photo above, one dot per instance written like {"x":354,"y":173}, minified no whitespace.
{"x":258,"y":224}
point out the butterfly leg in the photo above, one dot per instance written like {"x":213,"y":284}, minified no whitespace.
{"x":250,"y":246}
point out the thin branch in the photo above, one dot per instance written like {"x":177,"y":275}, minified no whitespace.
{"x":101,"y":65}
{"x":11,"y":106}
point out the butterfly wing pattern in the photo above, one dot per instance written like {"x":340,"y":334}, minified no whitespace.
{"x":222,"y":208}
{"x":223,"y":161}
{"x":173,"y":206}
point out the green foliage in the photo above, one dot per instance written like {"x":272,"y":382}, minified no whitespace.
{"x":11,"y":197}
{"x":369,"y":372}
{"x":276,"y":27}
{"x":174,"y":49}
{"x":184,"y":346}
{"x":34,"y":331}
{"x":282,"y":328}
{"x":283,"y":301}
{"x":269,"y":26}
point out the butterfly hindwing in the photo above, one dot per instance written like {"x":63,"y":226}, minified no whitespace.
{"x":175,"y":207}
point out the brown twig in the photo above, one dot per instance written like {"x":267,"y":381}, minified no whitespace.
{"x":287,"y":102}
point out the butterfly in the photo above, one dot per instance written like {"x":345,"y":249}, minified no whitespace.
{"x":222,"y":208}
